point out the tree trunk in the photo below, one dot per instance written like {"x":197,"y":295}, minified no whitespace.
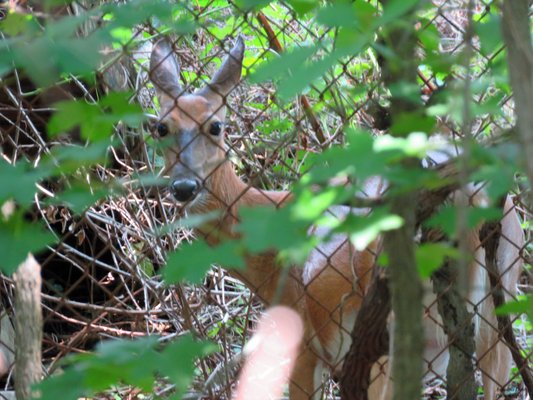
{"x":459,"y":327}
{"x":28,"y":327}
{"x":406,"y":296}
{"x":404,"y":282}
{"x":517,"y":37}
{"x":370,"y":339}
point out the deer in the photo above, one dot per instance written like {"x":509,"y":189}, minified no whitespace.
{"x":327,"y":291}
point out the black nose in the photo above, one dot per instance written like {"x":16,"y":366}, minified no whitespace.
{"x":185,"y":189}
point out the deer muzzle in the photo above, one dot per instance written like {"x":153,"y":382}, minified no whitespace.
{"x":185,"y":189}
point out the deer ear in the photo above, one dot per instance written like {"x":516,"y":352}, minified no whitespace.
{"x":164,"y":72}
{"x":227,"y":76}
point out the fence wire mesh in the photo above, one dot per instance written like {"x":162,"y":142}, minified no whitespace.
{"x":103,"y":279}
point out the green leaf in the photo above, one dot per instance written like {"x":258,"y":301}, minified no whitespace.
{"x":191,"y":261}
{"x":338,"y":14}
{"x":489,"y":32}
{"x":18,"y":181}
{"x":176,"y":361}
{"x":122,"y":109}
{"x":431,"y":256}
{"x":497,"y":166}
{"x":446,"y":218}
{"x":345,"y":14}
{"x":67,"y":386}
{"x":282,"y":65}
{"x":416,"y":144}
{"x":393,"y":10}
{"x":309,"y":204}
{"x":185,"y":26}
{"x":524,"y":305}
{"x":362,"y":230}
{"x":68,"y":159}
{"x":302,"y":7}
{"x":15,"y":24}
{"x":406,"y":123}
{"x":406,"y":91}
{"x":429,"y":37}
{"x":80,"y":196}
{"x":18,"y":238}
{"x":269,"y":126}
{"x":358,"y":159}
{"x":74,"y":113}
{"x":132,"y":13}
{"x":96,"y":121}
{"x":303,"y":75}
{"x":134,"y":362}
{"x":56,"y":57}
{"x":251,"y":5}
{"x":278,"y":229}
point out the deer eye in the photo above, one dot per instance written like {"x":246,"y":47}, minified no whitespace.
{"x":162,"y":129}
{"x":215,"y":128}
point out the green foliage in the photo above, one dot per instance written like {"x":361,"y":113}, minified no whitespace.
{"x":80,"y":195}
{"x":365,"y":156}
{"x":17,"y":182}
{"x":279,"y":230}
{"x":446,"y":218}
{"x":362,"y":230}
{"x":524,"y":305}
{"x":96,"y":121}
{"x":358,"y":22}
{"x":431,"y":256}
{"x":19,"y":237}
{"x":60,"y":52}
{"x":191,"y":261}
{"x":137,"y":363}
{"x":489,"y":33}
{"x":252,"y":5}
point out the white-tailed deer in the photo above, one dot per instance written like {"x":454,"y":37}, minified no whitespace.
{"x":327,"y":291}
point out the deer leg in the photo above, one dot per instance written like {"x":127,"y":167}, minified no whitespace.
{"x":380,"y":382}
{"x":494,"y":362}
{"x":302,"y":384}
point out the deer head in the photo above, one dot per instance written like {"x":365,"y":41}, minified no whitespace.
{"x":194,"y":122}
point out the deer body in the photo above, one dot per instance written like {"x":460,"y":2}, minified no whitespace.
{"x":328,"y":290}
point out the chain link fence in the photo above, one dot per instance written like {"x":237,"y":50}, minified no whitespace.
{"x":103,"y":278}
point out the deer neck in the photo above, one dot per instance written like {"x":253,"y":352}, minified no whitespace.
{"x":227,"y":194}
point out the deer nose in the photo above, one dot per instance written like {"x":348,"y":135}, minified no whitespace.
{"x":185,"y":189}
